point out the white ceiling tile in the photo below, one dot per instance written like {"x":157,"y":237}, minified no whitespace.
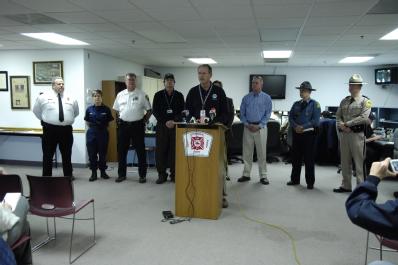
{"x":288,"y":34}
{"x":160,"y":4}
{"x":331,"y":21}
{"x":173,"y":14}
{"x":281,"y":11}
{"x":76,"y":17}
{"x":308,"y":31}
{"x":8,"y":8}
{"x":375,"y":20}
{"x":219,"y":3}
{"x":49,"y":5}
{"x":103,"y":4}
{"x":234,"y":12}
{"x":280,"y":22}
{"x":95,"y":27}
{"x":343,"y":8}
{"x":124,"y":16}
{"x":58,"y":28}
{"x":8,"y":22}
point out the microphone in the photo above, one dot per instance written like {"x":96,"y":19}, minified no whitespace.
{"x":185,"y":114}
{"x":212,"y":114}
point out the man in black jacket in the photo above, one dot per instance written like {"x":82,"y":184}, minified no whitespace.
{"x":168,"y":105}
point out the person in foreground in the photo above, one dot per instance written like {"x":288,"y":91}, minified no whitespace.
{"x":362,"y":209}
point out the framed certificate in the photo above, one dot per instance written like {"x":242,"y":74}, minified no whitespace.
{"x":3,"y":81}
{"x":20,"y":96}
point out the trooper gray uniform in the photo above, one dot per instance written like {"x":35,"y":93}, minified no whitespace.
{"x":354,"y":113}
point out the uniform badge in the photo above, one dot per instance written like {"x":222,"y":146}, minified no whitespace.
{"x":214,"y":96}
{"x":169,"y":111}
{"x":318,"y":106}
{"x":368,"y":103}
{"x":135,"y":98}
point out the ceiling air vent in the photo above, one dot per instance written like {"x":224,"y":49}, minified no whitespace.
{"x":33,"y":19}
{"x":276,"y":60}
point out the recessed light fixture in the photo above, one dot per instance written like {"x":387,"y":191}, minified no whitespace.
{"x":55,"y":38}
{"x":277,"y":54}
{"x":202,"y":60}
{"x":393,"y":35}
{"x":356,"y":59}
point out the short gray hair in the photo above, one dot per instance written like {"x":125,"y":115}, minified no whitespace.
{"x":131,"y":75}
{"x":257,"y":77}
{"x":56,"y":78}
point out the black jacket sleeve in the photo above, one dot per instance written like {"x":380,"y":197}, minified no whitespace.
{"x":381,"y":219}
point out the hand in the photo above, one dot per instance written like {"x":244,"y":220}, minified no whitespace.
{"x":170,"y":124}
{"x":299,"y":129}
{"x":380,"y":169}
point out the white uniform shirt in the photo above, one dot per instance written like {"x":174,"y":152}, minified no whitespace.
{"x":131,"y":105}
{"x":46,"y":108}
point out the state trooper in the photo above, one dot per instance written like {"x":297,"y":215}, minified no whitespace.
{"x":133,"y":109}
{"x":351,"y":119}
{"x":97,"y":117}
{"x":304,"y":120}
{"x":57,"y":111}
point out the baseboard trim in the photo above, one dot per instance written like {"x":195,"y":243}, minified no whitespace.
{"x":35,"y":163}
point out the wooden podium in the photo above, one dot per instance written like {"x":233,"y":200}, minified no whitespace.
{"x":199,"y":177}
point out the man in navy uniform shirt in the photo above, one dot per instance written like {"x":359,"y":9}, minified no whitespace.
{"x":362,"y":209}
{"x":168,"y":105}
{"x":304,"y":120}
{"x":97,"y":116}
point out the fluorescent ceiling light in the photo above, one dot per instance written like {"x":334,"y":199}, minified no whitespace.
{"x":356,"y":59}
{"x":393,"y":35}
{"x":202,"y":60}
{"x":55,"y":38}
{"x":277,"y":54}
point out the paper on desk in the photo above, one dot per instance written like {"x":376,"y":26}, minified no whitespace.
{"x":12,"y":199}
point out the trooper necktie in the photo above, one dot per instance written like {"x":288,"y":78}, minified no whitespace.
{"x":303,"y":104}
{"x":60,"y":108}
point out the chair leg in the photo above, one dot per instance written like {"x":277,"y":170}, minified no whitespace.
{"x":49,"y":236}
{"x":71,"y":237}
{"x":367,"y":248}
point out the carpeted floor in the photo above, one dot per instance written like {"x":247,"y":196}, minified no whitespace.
{"x":130,"y":231}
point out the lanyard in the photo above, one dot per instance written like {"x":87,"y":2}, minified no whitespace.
{"x":167,"y":99}
{"x":201,"y":96}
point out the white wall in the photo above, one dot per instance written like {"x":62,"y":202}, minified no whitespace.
{"x":19,"y":62}
{"x":330,"y":83}
{"x":82,"y":70}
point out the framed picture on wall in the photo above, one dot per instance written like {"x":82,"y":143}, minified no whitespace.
{"x":43,"y":72}
{"x":3,"y":81}
{"x":20,"y":96}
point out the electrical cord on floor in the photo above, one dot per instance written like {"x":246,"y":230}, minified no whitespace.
{"x":277,"y":227}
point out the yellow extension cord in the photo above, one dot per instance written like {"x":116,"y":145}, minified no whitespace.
{"x":277,"y":227}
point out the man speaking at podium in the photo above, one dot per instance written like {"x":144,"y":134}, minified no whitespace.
{"x":207,"y":102}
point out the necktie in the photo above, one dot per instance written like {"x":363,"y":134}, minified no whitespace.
{"x":60,"y":109}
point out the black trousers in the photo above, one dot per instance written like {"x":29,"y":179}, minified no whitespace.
{"x":62,"y":136}
{"x":303,"y":148}
{"x":134,"y":133}
{"x":97,"y":147}
{"x":165,"y":149}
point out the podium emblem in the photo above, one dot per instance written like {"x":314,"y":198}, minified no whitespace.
{"x":197,"y":143}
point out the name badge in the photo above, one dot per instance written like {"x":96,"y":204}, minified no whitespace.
{"x":169,"y":111}
{"x":203,"y":113}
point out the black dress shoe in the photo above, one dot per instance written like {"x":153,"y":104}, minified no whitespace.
{"x":227,"y":178}
{"x":142,"y":180}
{"x":104,"y":175}
{"x":264,"y":181}
{"x":161,"y":179}
{"x":243,"y":179}
{"x":93,"y":176}
{"x":310,"y":187}
{"x":341,"y":190}
{"x":120,"y":179}
{"x":291,"y":183}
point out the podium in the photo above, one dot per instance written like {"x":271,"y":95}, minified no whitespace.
{"x":200,"y":170}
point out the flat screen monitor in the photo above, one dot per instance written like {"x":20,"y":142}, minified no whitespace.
{"x":386,"y":76}
{"x":273,"y":85}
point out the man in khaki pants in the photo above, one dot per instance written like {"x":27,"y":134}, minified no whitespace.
{"x":351,"y":118}
{"x":255,"y":111}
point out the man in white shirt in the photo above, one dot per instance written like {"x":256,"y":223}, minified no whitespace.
{"x":133,"y":110}
{"x":57,"y":111}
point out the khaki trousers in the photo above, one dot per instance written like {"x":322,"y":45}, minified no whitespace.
{"x":352,"y":148}
{"x":258,"y":139}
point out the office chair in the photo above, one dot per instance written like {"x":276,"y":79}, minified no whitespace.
{"x":273,"y":141}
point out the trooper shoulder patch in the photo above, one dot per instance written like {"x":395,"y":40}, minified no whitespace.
{"x":368,"y":103}
{"x":318,"y":106}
